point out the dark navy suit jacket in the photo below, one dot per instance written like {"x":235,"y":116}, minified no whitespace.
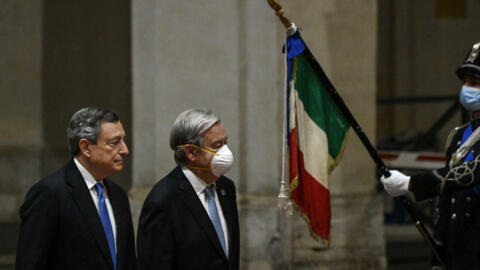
{"x":175,"y":231}
{"x":61,"y":227}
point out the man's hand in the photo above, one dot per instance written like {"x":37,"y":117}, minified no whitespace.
{"x":396,"y":184}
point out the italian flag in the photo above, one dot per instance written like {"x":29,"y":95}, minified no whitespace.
{"x":317,"y":133}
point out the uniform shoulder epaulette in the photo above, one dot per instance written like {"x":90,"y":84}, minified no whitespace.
{"x":452,"y":134}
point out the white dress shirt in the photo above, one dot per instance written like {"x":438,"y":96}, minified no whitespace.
{"x":199,"y":187}
{"x":90,"y":182}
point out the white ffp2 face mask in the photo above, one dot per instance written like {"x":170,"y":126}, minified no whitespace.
{"x":222,"y":161}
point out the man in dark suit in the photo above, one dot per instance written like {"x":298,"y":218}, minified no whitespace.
{"x":75,"y":218}
{"x":190,"y":220}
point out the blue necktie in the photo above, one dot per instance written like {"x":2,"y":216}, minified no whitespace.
{"x":212,"y":209}
{"x":107,"y":226}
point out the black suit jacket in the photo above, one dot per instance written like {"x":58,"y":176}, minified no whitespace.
{"x":61,"y":227}
{"x":175,"y":231}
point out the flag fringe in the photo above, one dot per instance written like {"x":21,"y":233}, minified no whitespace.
{"x":332,"y":163}
{"x":293,"y":183}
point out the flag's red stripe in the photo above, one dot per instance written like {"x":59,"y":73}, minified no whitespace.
{"x":293,"y":145}
{"x":310,"y":196}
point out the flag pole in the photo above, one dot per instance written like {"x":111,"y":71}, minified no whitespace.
{"x":356,"y":127}
{"x":280,"y":13}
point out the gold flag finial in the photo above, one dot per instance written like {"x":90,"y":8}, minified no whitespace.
{"x":280,"y":13}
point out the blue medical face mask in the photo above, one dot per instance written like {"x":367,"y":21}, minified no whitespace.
{"x":470,"y":98}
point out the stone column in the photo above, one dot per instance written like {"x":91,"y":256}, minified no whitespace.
{"x":20,"y":113}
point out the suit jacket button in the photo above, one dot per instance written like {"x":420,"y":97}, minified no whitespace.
{"x":468,"y":198}
{"x":459,"y":142}
{"x":454,"y":216}
{"x":453,"y":200}
{"x":467,"y":214}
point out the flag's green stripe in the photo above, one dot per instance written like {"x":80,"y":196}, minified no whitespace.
{"x":320,"y":106}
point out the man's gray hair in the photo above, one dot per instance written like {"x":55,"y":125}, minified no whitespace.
{"x":86,"y":123}
{"x":189,"y":128}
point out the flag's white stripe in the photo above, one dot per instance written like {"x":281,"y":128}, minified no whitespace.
{"x":312,"y":140}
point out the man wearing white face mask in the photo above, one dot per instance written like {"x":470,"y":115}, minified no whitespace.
{"x":457,"y":215}
{"x":190,"y":219}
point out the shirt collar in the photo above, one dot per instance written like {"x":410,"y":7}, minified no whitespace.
{"x":198,"y":184}
{"x":89,"y":179}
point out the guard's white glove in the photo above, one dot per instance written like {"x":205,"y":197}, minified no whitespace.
{"x":396,"y":184}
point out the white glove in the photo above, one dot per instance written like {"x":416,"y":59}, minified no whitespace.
{"x":396,"y":184}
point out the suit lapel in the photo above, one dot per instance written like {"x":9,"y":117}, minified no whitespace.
{"x":196,"y":208}
{"x":83,"y":199}
{"x":225,"y":203}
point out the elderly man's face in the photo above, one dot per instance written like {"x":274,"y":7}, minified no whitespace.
{"x":213,"y":139}
{"x":107,"y":155}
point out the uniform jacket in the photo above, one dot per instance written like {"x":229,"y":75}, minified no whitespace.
{"x":175,"y":231}
{"x":457,"y":216}
{"x":61,"y":227}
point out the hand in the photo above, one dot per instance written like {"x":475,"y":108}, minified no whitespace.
{"x":396,"y":184}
